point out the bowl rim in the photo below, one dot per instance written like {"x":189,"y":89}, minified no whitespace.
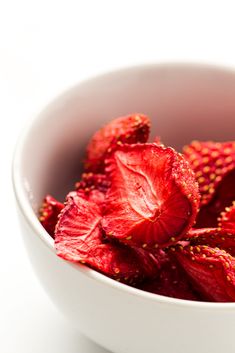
{"x":33,"y":222}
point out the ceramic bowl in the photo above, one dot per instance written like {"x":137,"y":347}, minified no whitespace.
{"x":185,"y":102}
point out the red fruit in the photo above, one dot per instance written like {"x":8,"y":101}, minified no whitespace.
{"x":128,"y":129}
{"x":48,"y":213}
{"x":214,"y":167}
{"x":211,"y":271}
{"x":214,"y":237}
{"x":91,"y":181}
{"x":227,"y":218}
{"x":79,"y":238}
{"x":95,"y":196}
{"x":153,"y":198}
{"x":93,"y":187}
{"x":171,"y":282}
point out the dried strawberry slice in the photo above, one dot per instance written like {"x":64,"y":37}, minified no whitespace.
{"x":95,"y":196}
{"x":91,"y":181}
{"x":93,"y":187}
{"x":214,"y":237}
{"x":128,"y":129}
{"x":214,"y":167}
{"x":210,"y":270}
{"x":153,"y":198}
{"x":171,"y":282}
{"x":79,"y":239}
{"x":48,"y":213}
{"x":227,"y":218}
{"x":211,"y":161}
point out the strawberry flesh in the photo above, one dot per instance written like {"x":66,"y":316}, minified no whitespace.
{"x":91,"y":181}
{"x":214,"y":167}
{"x":210,"y":270}
{"x":227,"y":218}
{"x":153,"y":198}
{"x":214,"y":237}
{"x":49,"y":212}
{"x":128,"y":129}
{"x":171,"y":282}
{"x":93,"y":187}
{"x":95,"y":196}
{"x":79,"y":239}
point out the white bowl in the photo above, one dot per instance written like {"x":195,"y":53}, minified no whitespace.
{"x":185,"y":102}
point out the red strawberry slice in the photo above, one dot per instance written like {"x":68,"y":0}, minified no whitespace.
{"x":210,"y":270}
{"x":153,"y":198}
{"x":227,"y":218}
{"x":91,"y":181}
{"x":171,"y":282}
{"x":128,"y":129}
{"x":214,"y":237}
{"x":48,"y":213}
{"x":79,"y":239}
{"x":93,"y":187}
{"x":95,"y":196}
{"x":214,"y":167}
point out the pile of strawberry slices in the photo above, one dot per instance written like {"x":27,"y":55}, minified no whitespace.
{"x":151,"y":217}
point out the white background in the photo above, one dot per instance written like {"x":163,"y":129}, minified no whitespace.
{"x":46,"y":46}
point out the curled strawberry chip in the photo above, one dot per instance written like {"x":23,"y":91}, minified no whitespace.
{"x":48,"y":213}
{"x":210,"y":270}
{"x":128,"y":129}
{"x":226,"y":220}
{"x":95,"y":196}
{"x":79,"y":239}
{"x":172,"y":281}
{"x":91,"y":181}
{"x":223,"y":239}
{"x":153,"y":198}
{"x":214,"y":167}
{"x":93,"y":187}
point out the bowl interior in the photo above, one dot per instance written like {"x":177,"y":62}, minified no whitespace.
{"x":185,"y":102}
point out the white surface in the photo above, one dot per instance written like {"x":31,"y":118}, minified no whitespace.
{"x":46,"y":46}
